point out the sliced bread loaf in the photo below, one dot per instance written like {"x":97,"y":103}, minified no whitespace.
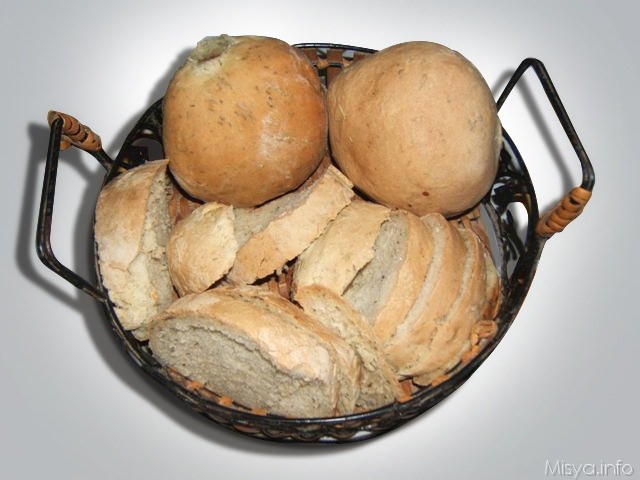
{"x":202,"y":248}
{"x":378,"y":384}
{"x":437,"y":294}
{"x":132,"y":225}
{"x":385,"y":289}
{"x":449,"y":338}
{"x":253,"y":353}
{"x":343,"y":249}
{"x":280,"y":230}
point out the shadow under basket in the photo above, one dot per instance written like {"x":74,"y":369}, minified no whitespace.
{"x":516,"y":250}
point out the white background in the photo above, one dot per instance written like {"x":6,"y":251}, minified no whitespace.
{"x":563,"y":384}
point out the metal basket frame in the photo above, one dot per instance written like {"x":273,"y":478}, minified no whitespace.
{"x":517,"y":260}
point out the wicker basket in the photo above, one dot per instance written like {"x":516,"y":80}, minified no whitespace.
{"x":516,"y":259}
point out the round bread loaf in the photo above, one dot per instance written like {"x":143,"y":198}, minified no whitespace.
{"x":415,"y":126}
{"x":245,"y":120}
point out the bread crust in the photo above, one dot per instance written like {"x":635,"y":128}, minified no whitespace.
{"x":415,"y":127}
{"x":334,"y":259}
{"x":290,"y":234}
{"x":296,"y":352}
{"x":379,"y":385}
{"x":349,"y":366}
{"x":409,"y":278}
{"x":245,"y":120}
{"x":450,"y":337}
{"x":126,"y":193}
{"x":443,"y":281}
{"x":121,"y":212}
{"x":202,"y":248}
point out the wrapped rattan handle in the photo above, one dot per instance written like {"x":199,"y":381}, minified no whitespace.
{"x":75,"y":133}
{"x":573,"y":202}
{"x":564,"y":212}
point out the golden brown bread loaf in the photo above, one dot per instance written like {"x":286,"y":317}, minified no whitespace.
{"x":414,"y":126}
{"x":244,"y":120}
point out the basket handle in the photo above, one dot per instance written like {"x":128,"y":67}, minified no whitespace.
{"x":65,"y":132}
{"x":572,"y":204}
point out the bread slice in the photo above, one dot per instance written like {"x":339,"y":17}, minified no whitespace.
{"x":271,"y":235}
{"x":378,"y":384}
{"x":472,"y":221}
{"x":450,"y":337}
{"x":348,"y":363}
{"x":343,"y":249}
{"x":254,"y":354}
{"x":202,"y":248}
{"x":384,"y":290}
{"x":439,"y":290}
{"x":132,"y":225}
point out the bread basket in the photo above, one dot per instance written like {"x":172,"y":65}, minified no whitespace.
{"x":516,"y":256}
